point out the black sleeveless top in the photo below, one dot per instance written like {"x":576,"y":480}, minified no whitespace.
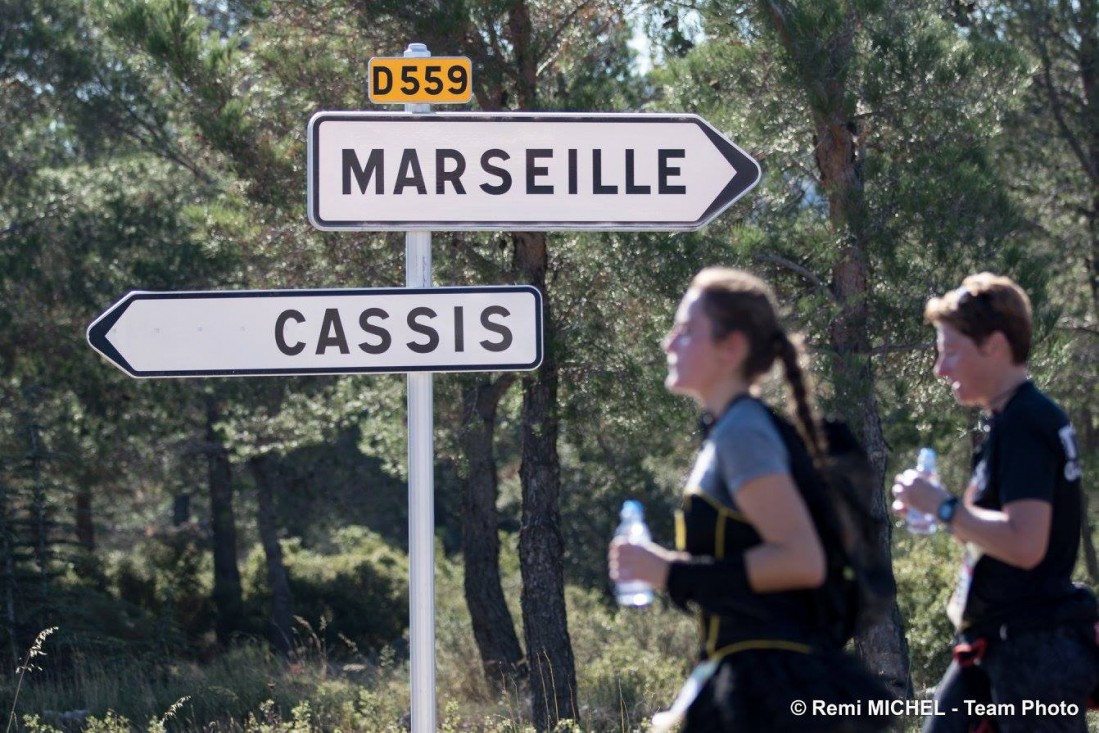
{"x":781,"y":620}
{"x":789,"y":620}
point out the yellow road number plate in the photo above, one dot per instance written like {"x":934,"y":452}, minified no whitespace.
{"x":432,"y":80}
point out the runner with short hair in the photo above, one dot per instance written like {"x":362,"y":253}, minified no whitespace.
{"x":1024,"y":631}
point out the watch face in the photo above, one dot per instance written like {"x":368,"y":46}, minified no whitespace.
{"x":947,"y":509}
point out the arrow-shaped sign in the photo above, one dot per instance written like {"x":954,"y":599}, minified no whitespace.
{"x":273,"y":332}
{"x":521,"y":171}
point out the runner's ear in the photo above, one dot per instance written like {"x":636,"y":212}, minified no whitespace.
{"x":996,"y":344}
{"x":733,"y":347}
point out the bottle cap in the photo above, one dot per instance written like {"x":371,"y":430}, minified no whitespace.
{"x":926,"y":460}
{"x":632,"y":506}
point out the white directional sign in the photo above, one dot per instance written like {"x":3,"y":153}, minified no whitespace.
{"x":520,"y":171}
{"x":272,"y":332}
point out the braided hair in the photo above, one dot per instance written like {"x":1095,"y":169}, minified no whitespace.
{"x":735,"y":300}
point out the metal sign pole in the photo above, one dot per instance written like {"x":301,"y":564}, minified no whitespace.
{"x":421,"y":488}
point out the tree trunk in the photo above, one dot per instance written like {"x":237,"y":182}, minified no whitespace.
{"x":883,"y":645}
{"x":85,"y":527}
{"x":521,"y":32}
{"x":541,"y":548}
{"x":493,"y":627}
{"x":7,"y":573}
{"x":227,"y":590}
{"x":1093,"y":257}
{"x":1091,"y":561}
{"x":282,"y":601}
{"x":1089,"y":445}
{"x":550,"y":662}
{"x":181,"y":509}
{"x":1088,"y":29}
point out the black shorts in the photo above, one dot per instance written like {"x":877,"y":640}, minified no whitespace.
{"x":1035,"y":681}
{"x":763,"y":690}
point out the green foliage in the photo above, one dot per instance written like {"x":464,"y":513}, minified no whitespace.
{"x":247,"y":683}
{"x":168,"y":574}
{"x":112,"y":722}
{"x":203,"y":64}
{"x":631,"y":664}
{"x":638,"y":443}
{"x":926,"y":571}
{"x":357,"y":594}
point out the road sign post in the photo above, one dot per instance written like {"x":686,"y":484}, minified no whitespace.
{"x":421,"y":487}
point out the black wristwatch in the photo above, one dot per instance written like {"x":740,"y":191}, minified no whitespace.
{"x":946,"y":510}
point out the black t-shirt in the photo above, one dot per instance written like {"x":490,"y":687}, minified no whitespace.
{"x":1029,"y":453}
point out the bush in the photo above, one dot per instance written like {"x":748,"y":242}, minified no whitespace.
{"x":247,"y":688}
{"x":357,"y":595}
{"x":169,"y":574}
{"x":630,"y":662}
{"x":926,"y":570}
{"x":92,"y":621}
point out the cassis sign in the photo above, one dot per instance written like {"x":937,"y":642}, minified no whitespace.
{"x":282,"y":332}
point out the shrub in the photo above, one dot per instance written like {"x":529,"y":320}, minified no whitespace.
{"x":359,"y":594}
{"x":630,"y":662}
{"x":926,"y":570}
{"x":169,"y":574}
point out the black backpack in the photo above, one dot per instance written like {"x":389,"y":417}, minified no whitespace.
{"x":838,"y":490}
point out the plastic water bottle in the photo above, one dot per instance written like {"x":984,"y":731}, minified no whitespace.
{"x":633,"y":528}
{"x":921,"y":522}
